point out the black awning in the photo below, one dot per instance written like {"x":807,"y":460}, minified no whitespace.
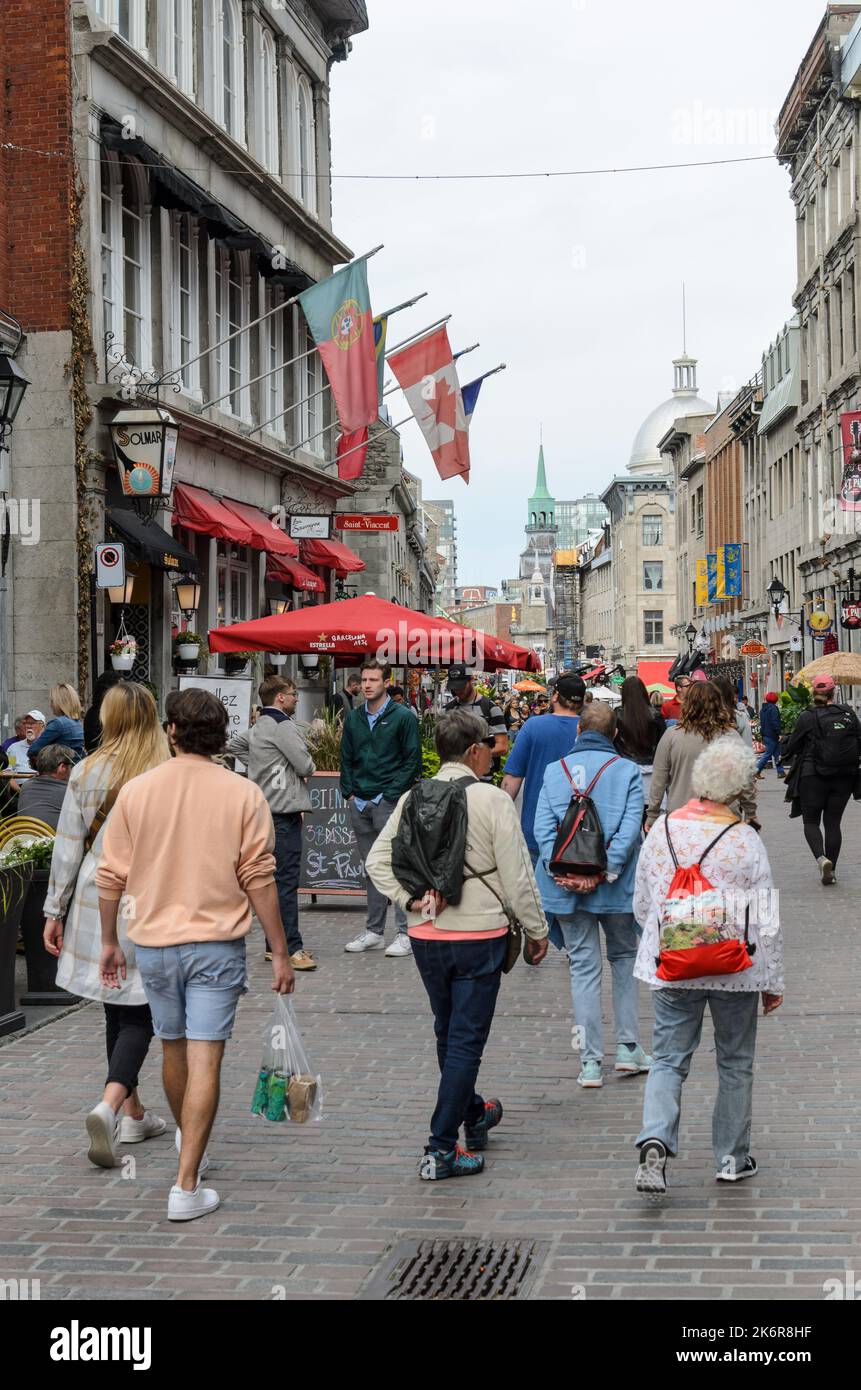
{"x":173,"y":189}
{"x":149,"y":542}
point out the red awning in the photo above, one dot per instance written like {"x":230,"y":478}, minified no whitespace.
{"x":265,"y":533}
{"x":291,"y":572}
{"x":197,"y":510}
{"x":333,"y":555}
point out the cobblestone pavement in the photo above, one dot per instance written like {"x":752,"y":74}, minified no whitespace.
{"x":310,"y":1211}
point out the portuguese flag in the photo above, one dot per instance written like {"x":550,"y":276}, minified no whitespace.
{"x":339,"y":316}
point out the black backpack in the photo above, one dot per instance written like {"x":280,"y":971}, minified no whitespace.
{"x":579,"y":847}
{"x":835,"y":741}
{"x":429,"y":847}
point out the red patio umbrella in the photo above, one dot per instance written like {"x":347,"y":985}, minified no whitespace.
{"x":356,"y":627}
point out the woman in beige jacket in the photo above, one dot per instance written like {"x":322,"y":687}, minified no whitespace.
{"x":704,"y":718}
{"x":460,"y":951}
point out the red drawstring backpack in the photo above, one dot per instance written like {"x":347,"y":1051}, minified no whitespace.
{"x":695,"y":938}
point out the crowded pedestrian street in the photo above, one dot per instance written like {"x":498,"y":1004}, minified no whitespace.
{"x":314,"y":1211}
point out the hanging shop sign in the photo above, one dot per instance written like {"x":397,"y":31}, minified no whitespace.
{"x":753,"y":648}
{"x":305,"y":527}
{"x":850,"y":612}
{"x":144,"y":443}
{"x":819,"y":624}
{"x":850,"y":437}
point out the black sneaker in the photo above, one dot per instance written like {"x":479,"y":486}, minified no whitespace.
{"x":651,"y":1174}
{"x":476,"y":1134}
{"x":749,"y":1170}
{"x":457,"y":1163}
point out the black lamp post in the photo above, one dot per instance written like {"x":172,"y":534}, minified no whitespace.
{"x":13,"y":385}
{"x":690,"y":633}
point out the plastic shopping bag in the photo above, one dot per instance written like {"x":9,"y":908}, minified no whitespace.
{"x":287,"y":1086}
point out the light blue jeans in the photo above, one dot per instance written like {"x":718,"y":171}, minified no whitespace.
{"x":678,"y":1027}
{"x":580,"y":931}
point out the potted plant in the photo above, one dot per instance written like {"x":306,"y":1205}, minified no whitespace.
{"x":42,"y":987}
{"x":187,"y":645}
{"x":123,"y":652}
{"x":277,"y":659}
{"x":236,"y":662}
{"x":15,"y":875}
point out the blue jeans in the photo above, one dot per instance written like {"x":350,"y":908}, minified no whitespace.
{"x":462,"y":982}
{"x":583,"y":944}
{"x":772,"y":750}
{"x":678,"y":1026}
{"x":288,"y":868}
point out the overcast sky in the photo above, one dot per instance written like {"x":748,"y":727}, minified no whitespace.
{"x":576,"y":282}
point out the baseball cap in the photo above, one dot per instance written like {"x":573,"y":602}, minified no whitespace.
{"x":569,"y":685}
{"x":459,"y":677}
{"x":699,"y":675}
{"x":771,"y":696}
{"x":38,"y":715}
{"x":823,"y":683}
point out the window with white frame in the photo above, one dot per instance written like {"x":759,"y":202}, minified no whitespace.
{"x":127,"y":17}
{"x":231,"y":314}
{"x":233,"y":590}
{"x":653,"y":627}
{"x":185,"y":297}
{"x":268,"y":141}
{"x":125,"y":256}
{"x":307,"y":146}
{"x":224,"y":65}
{"x":274,"y":337}
{"x":176,"y":41}
{"x":310,"y":380}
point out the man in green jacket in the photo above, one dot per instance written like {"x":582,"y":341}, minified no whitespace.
{"x":381,"y":758}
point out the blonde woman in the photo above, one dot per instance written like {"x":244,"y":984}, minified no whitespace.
{"x":132,"y":742}
{"x":66,"y":726}
{"x":704,"y":717}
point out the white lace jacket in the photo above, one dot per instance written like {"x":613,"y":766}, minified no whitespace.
{"x":738,"y":865}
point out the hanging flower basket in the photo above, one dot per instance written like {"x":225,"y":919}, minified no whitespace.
{"x":277,"y":658}
{"x":187,"y":646}
{"x":236,"y":662}
{"x":123,"y":652}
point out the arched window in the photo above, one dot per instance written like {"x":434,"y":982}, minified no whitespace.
{"x":127,"y":17}
{"x":307,"y":147}
{"x":267,"y":97}
{"x":176,"y":32}
{"x":228,"y":61}
{"x":224,"y":65}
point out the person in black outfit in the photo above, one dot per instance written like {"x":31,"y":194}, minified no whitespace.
{"x":826,"y":746}
{"x":639,"y":726}
{"x":92,"y":720}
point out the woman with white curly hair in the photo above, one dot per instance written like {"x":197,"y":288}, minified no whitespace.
{"x":706,"y":832}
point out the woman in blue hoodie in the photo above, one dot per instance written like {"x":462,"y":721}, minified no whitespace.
{"x":66,"y":726}
{"x":582,"y":905}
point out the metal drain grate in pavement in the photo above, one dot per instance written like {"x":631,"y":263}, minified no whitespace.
{"x":464,"y":1270}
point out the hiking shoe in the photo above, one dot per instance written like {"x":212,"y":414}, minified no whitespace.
{"x":591,"y":1075}
{"x":826,"y":870}
{"x":457,"y":1163}
{"x":749,"y":1170}
{"x":365,"y":941}
{"x":185,"y":1206}
{"x":401,"y":946}
{"x":631,"y":1059}
{"x":651,"y":1174}
{"x":476,"y":1133}
{"x":135,"y":1131}
{"x":303,"y":960}
{"x":102,"y":1129}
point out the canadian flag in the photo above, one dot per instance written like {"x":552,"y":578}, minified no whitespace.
{"x":426,"y":373}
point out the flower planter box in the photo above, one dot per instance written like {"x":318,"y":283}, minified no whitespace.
{"x":13,"y":891}
{"x":42,"y":988}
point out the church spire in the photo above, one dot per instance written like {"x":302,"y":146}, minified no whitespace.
{"x":542,"y":505}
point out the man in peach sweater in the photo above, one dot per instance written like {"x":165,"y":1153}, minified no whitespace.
{"x":187,"y":855}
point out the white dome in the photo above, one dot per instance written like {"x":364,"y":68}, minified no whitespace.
{"x":645,"y":455}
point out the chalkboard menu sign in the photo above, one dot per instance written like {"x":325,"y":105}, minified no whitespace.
{"x":331,"y":862}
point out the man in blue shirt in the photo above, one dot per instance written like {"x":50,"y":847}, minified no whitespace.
{"x":540,"y":743}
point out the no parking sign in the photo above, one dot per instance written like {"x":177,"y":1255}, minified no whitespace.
{"x":110,"y":565}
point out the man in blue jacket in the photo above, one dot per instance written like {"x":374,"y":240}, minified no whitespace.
{"x":769,"y":727}
{"x":381,"y":758}
{"x":582,"y":905}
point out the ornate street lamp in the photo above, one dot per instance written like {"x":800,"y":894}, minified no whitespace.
{"x":690,"y":633}
{"x":777,"y":592}
{"x":278,"y":606}
{"x":187,"y":592}
{"x":13,"y":384}
{"x":144,"y":443}
{"x":122,"y":593}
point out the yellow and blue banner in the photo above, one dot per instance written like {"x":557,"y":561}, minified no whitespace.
{"x":701,"y":592}
{"x":732,"y":570}
{"x":712,"y":573}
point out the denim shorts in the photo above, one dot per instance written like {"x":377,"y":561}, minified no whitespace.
{"x":193,"y":990}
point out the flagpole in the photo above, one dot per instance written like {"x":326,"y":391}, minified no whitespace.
{"x":414,"y":337}
{"x":246,"y":327}
{"x":463,"y":352}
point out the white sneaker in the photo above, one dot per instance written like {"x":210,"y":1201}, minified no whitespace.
{"x":365,"y":941}
{"x":135,"y":1131}
{"x":185,"y":1206}
{"x":102,"y":1129}
{"x":204,"y":1162}
{"x":401,"y":946}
